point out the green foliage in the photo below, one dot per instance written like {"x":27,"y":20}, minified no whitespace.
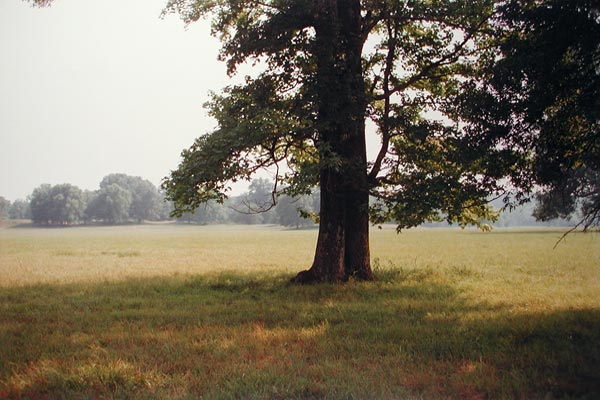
{"x":210,"y":212}
{"x":57,"y":205}
{"x":121,"y":198}
{"x":145,"y":198}
{"x":414,"y":57}
{"x":19,"y":209}
{"x":256,"y":132}
{"x":539,"y":98}
{"x":294,"y":211}
{"x":4,"y":208}
{"x":111,"y":204}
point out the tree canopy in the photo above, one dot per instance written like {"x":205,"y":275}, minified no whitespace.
{"x":412,"y":54}
{"x":120,"y":199}
{"x":144,"y":199}
{"x":57,"y":205}
{"x":540,"y":94}
{"x":110,"y":204}
{"x":19,"y":209}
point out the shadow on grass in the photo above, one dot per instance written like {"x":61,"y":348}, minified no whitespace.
{"x":255,"y":336}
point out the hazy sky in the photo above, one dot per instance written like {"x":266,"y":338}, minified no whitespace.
{"x":90,"y":87}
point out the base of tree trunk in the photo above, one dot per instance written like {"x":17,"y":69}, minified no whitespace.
{"x":304,"y":278}
{"x":308,"y":277}
{"x":363,"y":276}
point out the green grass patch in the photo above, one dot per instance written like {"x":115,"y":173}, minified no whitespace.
{"x":484,"y":317}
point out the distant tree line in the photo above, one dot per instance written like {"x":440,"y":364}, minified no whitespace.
{"x":120,"y":199}
{"x":19,"y":209}
{"x":257,"y":206}
{"x":123,"y":199}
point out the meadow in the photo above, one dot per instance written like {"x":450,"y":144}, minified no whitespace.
{"x":186,"y":312}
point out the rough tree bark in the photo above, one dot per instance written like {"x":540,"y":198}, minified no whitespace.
{"x":343,"y":244}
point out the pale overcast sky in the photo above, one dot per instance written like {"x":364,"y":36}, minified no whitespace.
{"x":90,"y":87}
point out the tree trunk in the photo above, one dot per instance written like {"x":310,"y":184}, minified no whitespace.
{"x":343,"y":244}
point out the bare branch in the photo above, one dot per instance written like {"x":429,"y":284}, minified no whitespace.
{"x":567,"y":233}
{"x":385,"y":130}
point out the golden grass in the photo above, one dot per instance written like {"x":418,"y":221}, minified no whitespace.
{"x":517,"y":267}
{"x":97,"y":254}
{"x":173,"y":311}
{"x":32,"y":256}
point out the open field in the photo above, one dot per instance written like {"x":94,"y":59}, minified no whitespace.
{"x":163,"y":311}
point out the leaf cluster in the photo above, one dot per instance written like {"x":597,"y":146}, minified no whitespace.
{"x":540,"y":98}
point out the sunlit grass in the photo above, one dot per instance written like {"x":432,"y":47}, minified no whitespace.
{"x":111,"y":254}
{"x":189,"y":312}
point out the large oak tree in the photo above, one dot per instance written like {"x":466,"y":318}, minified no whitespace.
{"x":330,"y":67}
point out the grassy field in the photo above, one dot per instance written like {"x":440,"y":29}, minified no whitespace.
{"x":163,"y":311}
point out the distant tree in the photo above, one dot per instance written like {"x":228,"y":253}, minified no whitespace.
{"x":255,"y":207}
{"x":120,"y":179}
{"x":165,"y":211}
{"x":20,"y":209}
{"x":40,"y":204}
{"x":57,"y":205}
{"x":88,"y":198}
{"x":145,"y":201}
{"x":68,"y":204}
{"x":111,"y":204}
{"x":166,"y":208}
{"x":294,"y":211}
{"x":523,"y":215}
{"x":4,"y":208}
{"x":240,"y":213}
{"x":145,"y":197}
{"x":260,"y":194}
{"x":209,"y":213}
